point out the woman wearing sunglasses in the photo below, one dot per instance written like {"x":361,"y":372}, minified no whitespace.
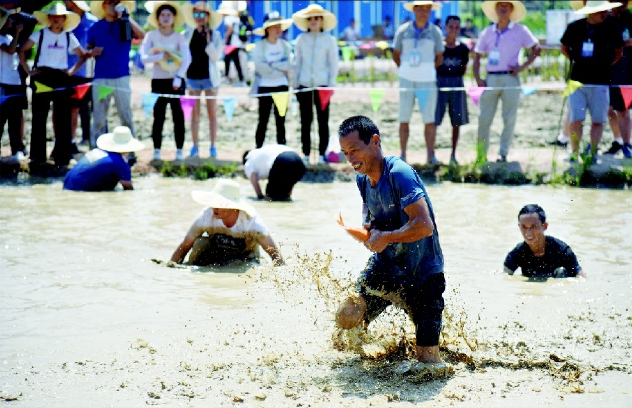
{"x":206,"y":46}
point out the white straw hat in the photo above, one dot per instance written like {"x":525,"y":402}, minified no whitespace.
{"x":82,"y":5}
{"x":4,"y":14}
{"x":153,"y":6}
{"x":96,"y":8}
{"x":58,"y":9}
{"x":228,"y":8}
{"x":119,"y":141}
{"x":273,"y":18}
{"x":214,"y":18}
{"x":596,"y":7}
{"x":314,"y":10}
{"x":411,"y":6}
{"x":225,"y":195}
{"x":518,"y":13}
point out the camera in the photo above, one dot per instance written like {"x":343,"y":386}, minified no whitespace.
{"x":125,"y":27}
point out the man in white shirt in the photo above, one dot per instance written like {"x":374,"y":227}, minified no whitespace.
{"x":281,"y":165}
{"x":350,"y":33}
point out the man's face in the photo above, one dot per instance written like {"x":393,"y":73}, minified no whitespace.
{"x":596,"y":18}
{"x":224,"y":213}
{"x":504,"y":9}
{"x":422,"y":12}
{"x":532,"y":229}
{"x":362,"y":157}
{"x":108,"y":6}
{"x":57,"y":22}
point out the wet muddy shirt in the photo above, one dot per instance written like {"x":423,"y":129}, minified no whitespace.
{"x":556,"y":254}
{"x":399,"y":187}
{"x":98,"y":170}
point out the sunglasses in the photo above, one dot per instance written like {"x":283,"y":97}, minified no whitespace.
{"x":314,"y":18}
{"x":199,"y":14}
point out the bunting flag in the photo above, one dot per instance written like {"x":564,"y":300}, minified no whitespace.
{"x":528,"y":90}
{"x":103,"y":91}
{"x":475,"y":93}
{"x":80,"y":91}
{"x":4,"y":98}
{"x":228,"y":49}
{"x":626,"y":92}
{"x":325,"y":95}
{"x":187,"y":106}
{"x":376,"y":98}
{"x":571,"y":88}
{"x":250,"y":47}
{"x":229,"y":107}
{"x":281,"y":100}
{"x":149,"y":100}
{"x":381,"y":45}
{"x":347,"y":52}
{"x":39,"y":88}
{"x":422,"y":97}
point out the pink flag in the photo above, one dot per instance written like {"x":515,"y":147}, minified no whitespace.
{"x":228,"y":49}
{"x":475,"y":93}
{"x":187,"y":106}
{"x":626,"y":92}
{"x":80,"y":91}
{"x":325,"y":95}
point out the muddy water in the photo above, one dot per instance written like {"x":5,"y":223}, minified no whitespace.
{"x":88,"y":318}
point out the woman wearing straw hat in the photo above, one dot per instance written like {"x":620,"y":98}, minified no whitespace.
{"x":206,"y":47}
{"x":273,"y":61}
{"x":102,"y":168}
{"x":316,"y":65}
{"x":168,"y":50}
{"x":50,"y":69}
{"x":234,"y":230}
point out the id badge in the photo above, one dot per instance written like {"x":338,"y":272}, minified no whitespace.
{"x":494,"y":57}
{"x":414,"y":59}
{"x":587,"y":49}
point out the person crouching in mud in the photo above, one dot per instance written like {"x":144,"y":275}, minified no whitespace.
{"x":540,"y":256}
{"x":406,"y":267}
{"x":233,"y":230}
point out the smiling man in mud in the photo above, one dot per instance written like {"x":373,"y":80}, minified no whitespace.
{"x":406,"y":267}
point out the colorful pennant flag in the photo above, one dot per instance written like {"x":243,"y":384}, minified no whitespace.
{"x":228,"y":49}
{"x":149,"y":100}
{"x":528,"y":90}
{"x":80,"y":91}
{"x":281,"y":100}
{"x":626,"y":92}
{"x":39,"y":88}
{"x":475,"y":93}
{"x":187,"y":106}
{"x":422,"y":97}
{"x":250,"y":47}
{"x":571,"y":87}
{"x":325,"y":95}
{"x":229,"y":107}
{"x":103,"y":91}
{"x":347,"y":53}
{"x":381,"y":45}
{"x":376,"y":98}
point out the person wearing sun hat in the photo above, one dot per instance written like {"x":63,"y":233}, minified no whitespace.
{"x":418,"y":51}
{"x":234,"y":230}
{"x":316,"y":65}
{"x":593,"y":45}
{"x":50,"y":69}
{"x":207,"y":47}
{"x":273,"y":62}
{"x":169,"y":51}
{"x":102,"y":168}
{"x":501,"y":42}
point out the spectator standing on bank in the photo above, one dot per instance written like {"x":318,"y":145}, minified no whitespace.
{"x":238,"y":30}
{"x":206,"y":47}
{"x":469,"y":30}
{"x":592,"y":44}
{"x":450,"y":75}
{"x":316,"y":54}
{"x":350,"y":34}
{"x":168,"y":50}
{"x":502,"y":42}
{"x":273,"y":62}
{"x":388,"y":32}
{"x":418,"y":51}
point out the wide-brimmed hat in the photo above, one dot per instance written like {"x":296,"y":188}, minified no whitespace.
{"x":226,"y":195}
{"x":120,"y":140}
{"x":82,"y":5}
{"x":232,"y":8}
{"x":4,"y":14}
{"x":410,"y":6}
{"x":214,"y":18}
{"x":596,"y":7}
{"x":576,"y":4}
{"x":271,"y":19}
{"x":517,"y":14}
{"x":154,"y":6}
{"x":314,"y":10}
{"x":58,"y":9}
{"x":96,"y":8}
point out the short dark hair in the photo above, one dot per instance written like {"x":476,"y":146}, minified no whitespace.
{"x":533,"y":209}
{"x":365,"y":127}
{"x":166,"y":7}
{"x":243,"y":159}
{"x":452,"y":18}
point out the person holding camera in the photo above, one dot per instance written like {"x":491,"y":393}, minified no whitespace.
{"x":168,"y":50}
{"x":238,"y":31}
{"x":109,"y":42}
{"x":206,"y":47}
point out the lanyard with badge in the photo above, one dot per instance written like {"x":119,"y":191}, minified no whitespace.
{"x":588,"y":47}
{"x":415,"y":57}
{"x":494,"y":55}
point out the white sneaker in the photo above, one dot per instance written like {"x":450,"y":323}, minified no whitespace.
{"x":321,"y":160}
{"x":156,"y":154}
{"x":306,"y":160}
{"x":179,"y":155}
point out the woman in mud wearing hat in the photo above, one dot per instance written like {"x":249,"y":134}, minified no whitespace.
{"x":169,"y":52}
{"x":273,"y":59}
{"x":233,"y":230}
{"x":206,"y":47}
{"x":316,"y":54}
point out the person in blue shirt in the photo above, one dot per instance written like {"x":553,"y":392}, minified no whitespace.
{"x":406,"y":267}
{"x":101,"y":169}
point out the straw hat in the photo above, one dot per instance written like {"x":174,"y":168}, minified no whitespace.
{"x":271,"y":19}
{"x":154,"y":6}
{"x":228,"y":8}
{"x":96,"y":8}
{"x":410,"y":6}
{"x":519,"y":10}
{"x":596,"y":7}
{"x":576,"y":5}
{"x":314,"y":10}
{"x":119,"y":141}
{"x":225,"y":194}
{"x":82,"y":5}
{"x":214,"y":19}
{"x":58,"y":9}
{"x":4,"y":14}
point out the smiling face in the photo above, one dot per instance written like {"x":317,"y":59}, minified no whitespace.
{"x":452,"y":29}
{"x":532,"y":229}
{"x":364,"y":158}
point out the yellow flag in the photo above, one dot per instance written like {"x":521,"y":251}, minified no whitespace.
{"x":250,"y":47}
{"x":281,"y":100}
{"x":42,"y":88}
{"x":571,"y":88}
